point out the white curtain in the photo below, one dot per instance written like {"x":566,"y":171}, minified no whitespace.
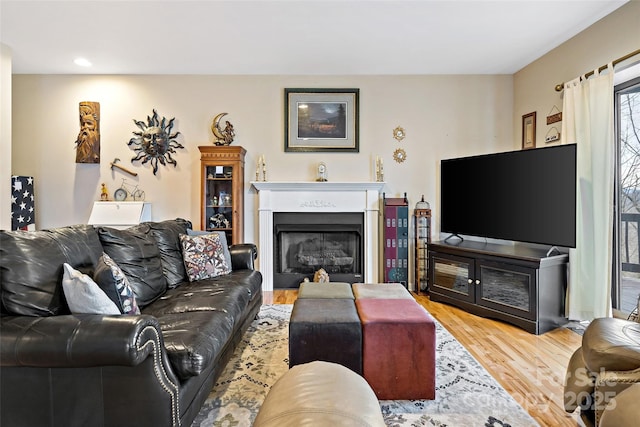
{"x":587,"y":120}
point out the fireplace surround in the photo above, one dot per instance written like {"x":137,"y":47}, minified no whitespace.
{"x":321,"y":198}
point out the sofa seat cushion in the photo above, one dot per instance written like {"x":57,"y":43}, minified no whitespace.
{"x":236,"y":288}
{"x":611,"y":344}
{"x":195,"y":340}
{"x":31,"y":267}
{"x":207,"y":295}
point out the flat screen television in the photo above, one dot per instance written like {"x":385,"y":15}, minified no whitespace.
{"x":525,"y":196}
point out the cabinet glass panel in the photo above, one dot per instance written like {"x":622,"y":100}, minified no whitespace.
{"x":451,"y":275}
{"x":218,"y":198}
{"x":506,"y":287}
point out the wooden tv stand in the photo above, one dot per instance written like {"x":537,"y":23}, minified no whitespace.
{"x":513,"y":283}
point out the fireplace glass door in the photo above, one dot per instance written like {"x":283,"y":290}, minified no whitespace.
{"x":305,"y":243}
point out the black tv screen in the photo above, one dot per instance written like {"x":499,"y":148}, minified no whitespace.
{"x":526,"y":196}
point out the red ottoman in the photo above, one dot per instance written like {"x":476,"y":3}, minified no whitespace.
{"x":398,"y":348}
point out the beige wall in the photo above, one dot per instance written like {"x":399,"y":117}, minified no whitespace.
{"x":444,"y":116}
{"x":5,"y":136}
{"x":610,"y":38}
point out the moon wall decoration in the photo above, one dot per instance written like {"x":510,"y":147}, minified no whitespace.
{"x":223,"y":136}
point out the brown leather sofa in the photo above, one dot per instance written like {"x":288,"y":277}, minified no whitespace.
{"x":152,"y":369}
{"x":603,"y":376}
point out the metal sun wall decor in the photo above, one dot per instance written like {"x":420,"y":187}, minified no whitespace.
{"x":88,"y":141}
{"x":223,"y":136}
{"x":154,"y":142}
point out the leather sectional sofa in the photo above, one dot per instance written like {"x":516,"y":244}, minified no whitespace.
{"x":603,"y":375}
{"x":155,"y":368}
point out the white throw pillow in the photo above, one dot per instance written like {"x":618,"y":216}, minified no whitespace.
{"x":83,"y":295}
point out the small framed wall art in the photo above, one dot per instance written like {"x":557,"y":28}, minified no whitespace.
{"x":321,"y":120}
{"x":529,"y":131}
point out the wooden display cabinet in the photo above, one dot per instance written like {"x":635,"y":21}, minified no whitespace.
{"x":222,"y":190}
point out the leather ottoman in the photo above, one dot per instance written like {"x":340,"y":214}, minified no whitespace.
{"x":325,"y":290}
{"x":381,"y":290}
{"x":398,"y":348}
{"x":325,"y":329}
{"x":320,"y":394}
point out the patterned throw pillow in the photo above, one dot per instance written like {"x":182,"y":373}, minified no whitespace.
{"x":115,"y":284}
{"x":203,"y":256}
{"x":223,"y":241}
{"x":83,"y":295}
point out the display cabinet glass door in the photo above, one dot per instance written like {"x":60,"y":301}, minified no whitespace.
{"x":507,"y":288}
{"x":453,"y":276}
{"x":219,"y":199}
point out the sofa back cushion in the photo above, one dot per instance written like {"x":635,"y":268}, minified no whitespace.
{"x":136,"y":252}
{"x":31,"y":267}
{"x":167,"y":237}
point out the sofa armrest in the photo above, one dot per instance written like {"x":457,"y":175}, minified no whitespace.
{"x":243,"y":255}
{"x":78,"y":340}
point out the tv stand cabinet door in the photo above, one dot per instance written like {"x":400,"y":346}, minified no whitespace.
{"x":452,"y":276}
{"x":507,"y":288}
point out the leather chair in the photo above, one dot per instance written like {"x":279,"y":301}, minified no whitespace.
{"x":603,"y":375}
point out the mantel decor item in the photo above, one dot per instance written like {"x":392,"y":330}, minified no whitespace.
{"x":154,"y":142}
{"x":321,"y":172}
{"x":529,"y":131}
{"x":321,"y":120}
{"x":379,"y":169}
{"x":88,"y":141}
{"x":223,"y":136}
{"x":261,"y":167}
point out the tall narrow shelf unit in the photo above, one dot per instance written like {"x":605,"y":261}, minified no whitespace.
{"x":222,"y":190}
{"x":422,"y":235}
{"x":396,"y":239}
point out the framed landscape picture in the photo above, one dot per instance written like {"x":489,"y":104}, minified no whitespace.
{"x":321,"y":120}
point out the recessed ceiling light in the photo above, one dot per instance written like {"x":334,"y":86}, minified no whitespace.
{"x":82,"y":62}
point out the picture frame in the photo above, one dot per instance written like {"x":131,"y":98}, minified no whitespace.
{"x":321,"y":120}
{"x":529,"y":131}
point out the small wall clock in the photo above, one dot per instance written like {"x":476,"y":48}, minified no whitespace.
{"x":399,"y":155}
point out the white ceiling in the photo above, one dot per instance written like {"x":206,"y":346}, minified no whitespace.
{"x":289,"y":37}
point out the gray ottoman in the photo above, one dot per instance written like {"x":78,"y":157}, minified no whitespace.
{"x":325,"y":290}
{"x":325,"y":329}
{"x":320,"y":394}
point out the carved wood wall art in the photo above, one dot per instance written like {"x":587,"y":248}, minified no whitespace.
{"x":155,"y":143}
{"x":88,"y":141}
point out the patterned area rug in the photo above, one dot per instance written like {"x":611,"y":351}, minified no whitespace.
{"x":466,"y":395}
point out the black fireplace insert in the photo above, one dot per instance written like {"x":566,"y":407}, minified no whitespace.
{"x":304,"y":242}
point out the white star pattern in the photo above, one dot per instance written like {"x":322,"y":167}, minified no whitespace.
{"x":22,"y":203}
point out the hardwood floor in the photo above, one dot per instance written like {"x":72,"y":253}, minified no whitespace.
{"x":530,"y":367}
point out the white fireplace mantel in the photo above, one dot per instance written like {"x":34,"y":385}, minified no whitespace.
{"x":318,"y":197}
